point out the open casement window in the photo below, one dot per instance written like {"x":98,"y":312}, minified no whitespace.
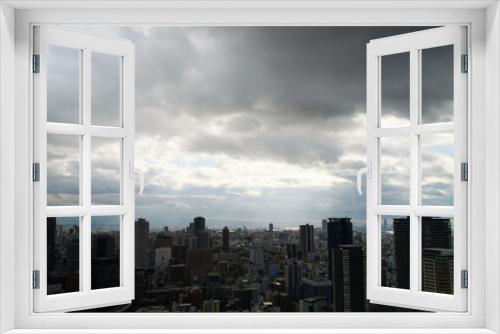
{"x":83,"y":165}
{"x":417,"y":153}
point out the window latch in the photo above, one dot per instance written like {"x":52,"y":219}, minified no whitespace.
{"x":464,"y":171}
{"x":135,"y":172}
{"x":365,"y":170}
{"x":36,"y":279}
{"x":36,"y":64}
{"x":36,"y":172}
{"x":464,"y":279}
{"x":465,"y":63}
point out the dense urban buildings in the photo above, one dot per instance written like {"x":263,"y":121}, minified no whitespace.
{"x":199,"y":269}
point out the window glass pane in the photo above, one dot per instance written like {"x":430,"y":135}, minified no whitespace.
{"x":105,"y":252}
{"x":63,"y":170}
{"x":63,"y":84}
{"x":395,"y":90}
{"x":63,"y":254}
{"x":395,"y":170}
{"x":437,"y":168}
{"x":437,"y":84}
{"x":106,"y":95}
{"x":437,"y":254}
{"x":106,"y":170}
{"x":395,"y":252}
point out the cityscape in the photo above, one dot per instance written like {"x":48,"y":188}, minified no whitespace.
{"x":249,"y":139}
{"x":198,"y":269}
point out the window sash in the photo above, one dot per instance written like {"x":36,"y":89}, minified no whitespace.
{"x":85,"y":297}
{"x":414,"y":297}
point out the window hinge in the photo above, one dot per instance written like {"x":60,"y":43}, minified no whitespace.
{"x":465,"y":63}
{"x":36,"y":279}
{"x":464,"y":171}
{"x":464,"y":279}
{"x":36,"y":172}
{"x":36,"y":63}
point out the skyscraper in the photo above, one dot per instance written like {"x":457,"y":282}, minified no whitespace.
{"x":306,"y":239}
{"x":339,"y":232}
{"x":402,"y":251}
{"x":271,"y":227}
{"x":349,"y":282}
{"x":437,"y":255}
{"x":51,"y":242}
{"x":198,"y":225}
{"x":436,"y":233}
{"x":225,"y":239}
{"x":292,"y":278}
{"x":437,"y":270}
{"x":203,"y":240}
{"x":141,"y":243}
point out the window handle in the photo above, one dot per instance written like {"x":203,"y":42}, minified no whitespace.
{"x":365,"y":170}
{"x":134,"y":172}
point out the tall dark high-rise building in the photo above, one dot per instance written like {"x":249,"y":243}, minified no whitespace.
{"x":271,"y":227}
{"x":291,"y":251}
{"x":306,"y":239}
{"x":225,"y":239}
{"x":339,"y":232}
{"x":349,"y":283}
{"x":437,"y":270}
{"x":51,"y":242}
{"x":203,"y":240}
{"x":103,"y":246}
{"x":401,"y":228}
{"x":105,"y":262}
{"x":141,"y":243}
{"x":437,"y":255}
{"x":436,"y":233}
{"x":198,"y":225}
{"x":292,"y":279}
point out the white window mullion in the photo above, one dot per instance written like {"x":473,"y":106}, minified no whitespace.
{"x":127,"y":254}
{"x":414,"y":171}
{"x":372,"y":181}
{"x":86,"y":180}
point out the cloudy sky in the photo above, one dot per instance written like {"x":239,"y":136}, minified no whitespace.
{"x":249,"y":125}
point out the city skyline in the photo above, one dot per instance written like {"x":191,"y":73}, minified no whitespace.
{"x":199,"y":269}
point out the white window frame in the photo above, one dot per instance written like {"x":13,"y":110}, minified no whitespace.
{"x":413,"y":43}
{"x":86,"y":44}
{"x":483,"y":18}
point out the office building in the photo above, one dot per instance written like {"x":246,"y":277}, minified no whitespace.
{"x":401,"y":228}
{"x":306,"y":239}
{"x":437,"y":270}
{"x":349,"y":282}
{"x":141,"y":243}
{"x":198,"y":225}
{"x":225,"y":239}
{"x":339,"y":232}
